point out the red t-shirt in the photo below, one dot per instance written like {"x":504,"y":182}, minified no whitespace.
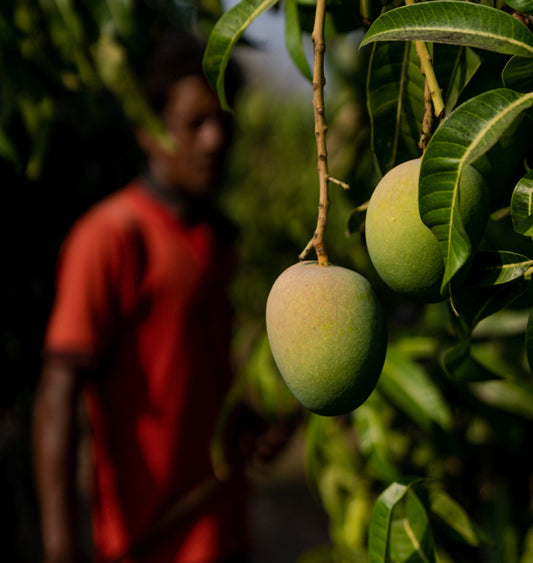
{"x":142,"y":295}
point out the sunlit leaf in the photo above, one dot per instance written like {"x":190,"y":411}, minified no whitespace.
{"x":467,"y":133}
{"x":518,"y":74}
{"x":495,"y":268}
{"x":381,"y":519}
{"x":409,"y":387}
{"x":455,"y":517}
{"x":458,"y":23}
{"x":374,"y":437}
{"x":395,"y":100}
{"x":411,"y":538}
{"x":293,"y":38}
{"x":224,"y":36}
{"x":522,"y":205}
{"x":357,"y":509}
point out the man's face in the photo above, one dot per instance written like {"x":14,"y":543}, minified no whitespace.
{"x":200,"y":131}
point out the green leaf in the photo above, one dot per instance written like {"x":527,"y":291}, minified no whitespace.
{"x":267,"y":390}
{"x":37,"y":116}
{"x":495,"y":268}
{"x":462,"y":366}
{"x":455,"y":66}
{"x":223,"y":38}
{"x":529,"y":340}
{"x":518,"y":74}
{"x":455,"y":517}
{"x":457,"y":23}
{"x":395,"y":100}
{"x":381,"y":520}
{"x":8,"y":149}
{"x":408,"y":386}
{"x":467,"y":133}
{"x":111,"y":61}
{"x":473,"y":304}
{"x":522,"y":205}
{"x":524,"y":6}
{"x":374,"y":437}
{"x":411,"y":538}
{"x":512,"y":395}
{"x":293,"y":38}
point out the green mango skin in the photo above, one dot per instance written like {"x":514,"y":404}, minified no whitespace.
{"x":328,"y":336}
{"x":403,"y":250}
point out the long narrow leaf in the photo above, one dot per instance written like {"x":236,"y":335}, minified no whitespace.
{"x":458,"y":23}
{"x":395,"y":99}
{"x":455,"y":66}
{"x":518,"y":74}
{"x":455,"y":517}
{"x":462,"y":366}
{"x":529,"y":340}
{"x":408,"y":386}
{"x":496,"y":268}
{"x":477,"y":303}
{"x":525,"y":6}
{"x":223,"y":37}
{"x":411,"y":538}
{"x":293,"y":38}
{"x":513,"y":396}
{"x":522,"y":205}
{"x":381,"y":519}
{"x":467,"y":133}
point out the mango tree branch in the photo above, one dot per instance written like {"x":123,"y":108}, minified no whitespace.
{"x":320,"y":133}
{"x":429,"y":73}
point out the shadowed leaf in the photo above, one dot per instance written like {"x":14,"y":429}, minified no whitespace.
{"x":495,"y":268}
{"x":293,"y":38}
{"x":518,"y":74}
{"x":522,"y":205}
{"x":395,"y":103}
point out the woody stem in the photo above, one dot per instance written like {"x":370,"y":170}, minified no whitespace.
{"x":320,"y":134}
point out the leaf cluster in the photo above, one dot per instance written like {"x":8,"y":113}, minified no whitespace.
{"x":460,"y":386}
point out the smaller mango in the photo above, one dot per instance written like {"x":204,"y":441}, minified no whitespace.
{"x":404,"y":251}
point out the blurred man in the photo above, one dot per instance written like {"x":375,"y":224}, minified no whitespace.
{"x":141,"y":323}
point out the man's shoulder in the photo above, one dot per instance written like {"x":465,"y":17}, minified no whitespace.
{"x":116,"y":212}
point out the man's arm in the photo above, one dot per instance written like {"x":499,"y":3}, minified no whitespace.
{"x":54,"y":454}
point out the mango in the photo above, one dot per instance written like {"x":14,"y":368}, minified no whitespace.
{"x":328,"y":336}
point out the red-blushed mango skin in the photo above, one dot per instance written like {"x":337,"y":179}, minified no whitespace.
{"x":403,"y":250}
{"x":328,"y":336}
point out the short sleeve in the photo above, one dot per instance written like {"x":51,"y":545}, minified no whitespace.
{"x":84,"y":312}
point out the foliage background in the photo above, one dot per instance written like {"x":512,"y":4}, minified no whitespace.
{"x":65,"y":141}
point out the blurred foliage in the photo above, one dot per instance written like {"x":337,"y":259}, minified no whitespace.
{"x":438,"y":451}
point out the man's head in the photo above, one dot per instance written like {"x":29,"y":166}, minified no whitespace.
{"x":177,"y":90}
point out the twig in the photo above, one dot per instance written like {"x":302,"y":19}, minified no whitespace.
{"x":429,"y":73}
{"x":427,"y":121}
{"x":340,"y":183}
{"x":320,"y":133}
